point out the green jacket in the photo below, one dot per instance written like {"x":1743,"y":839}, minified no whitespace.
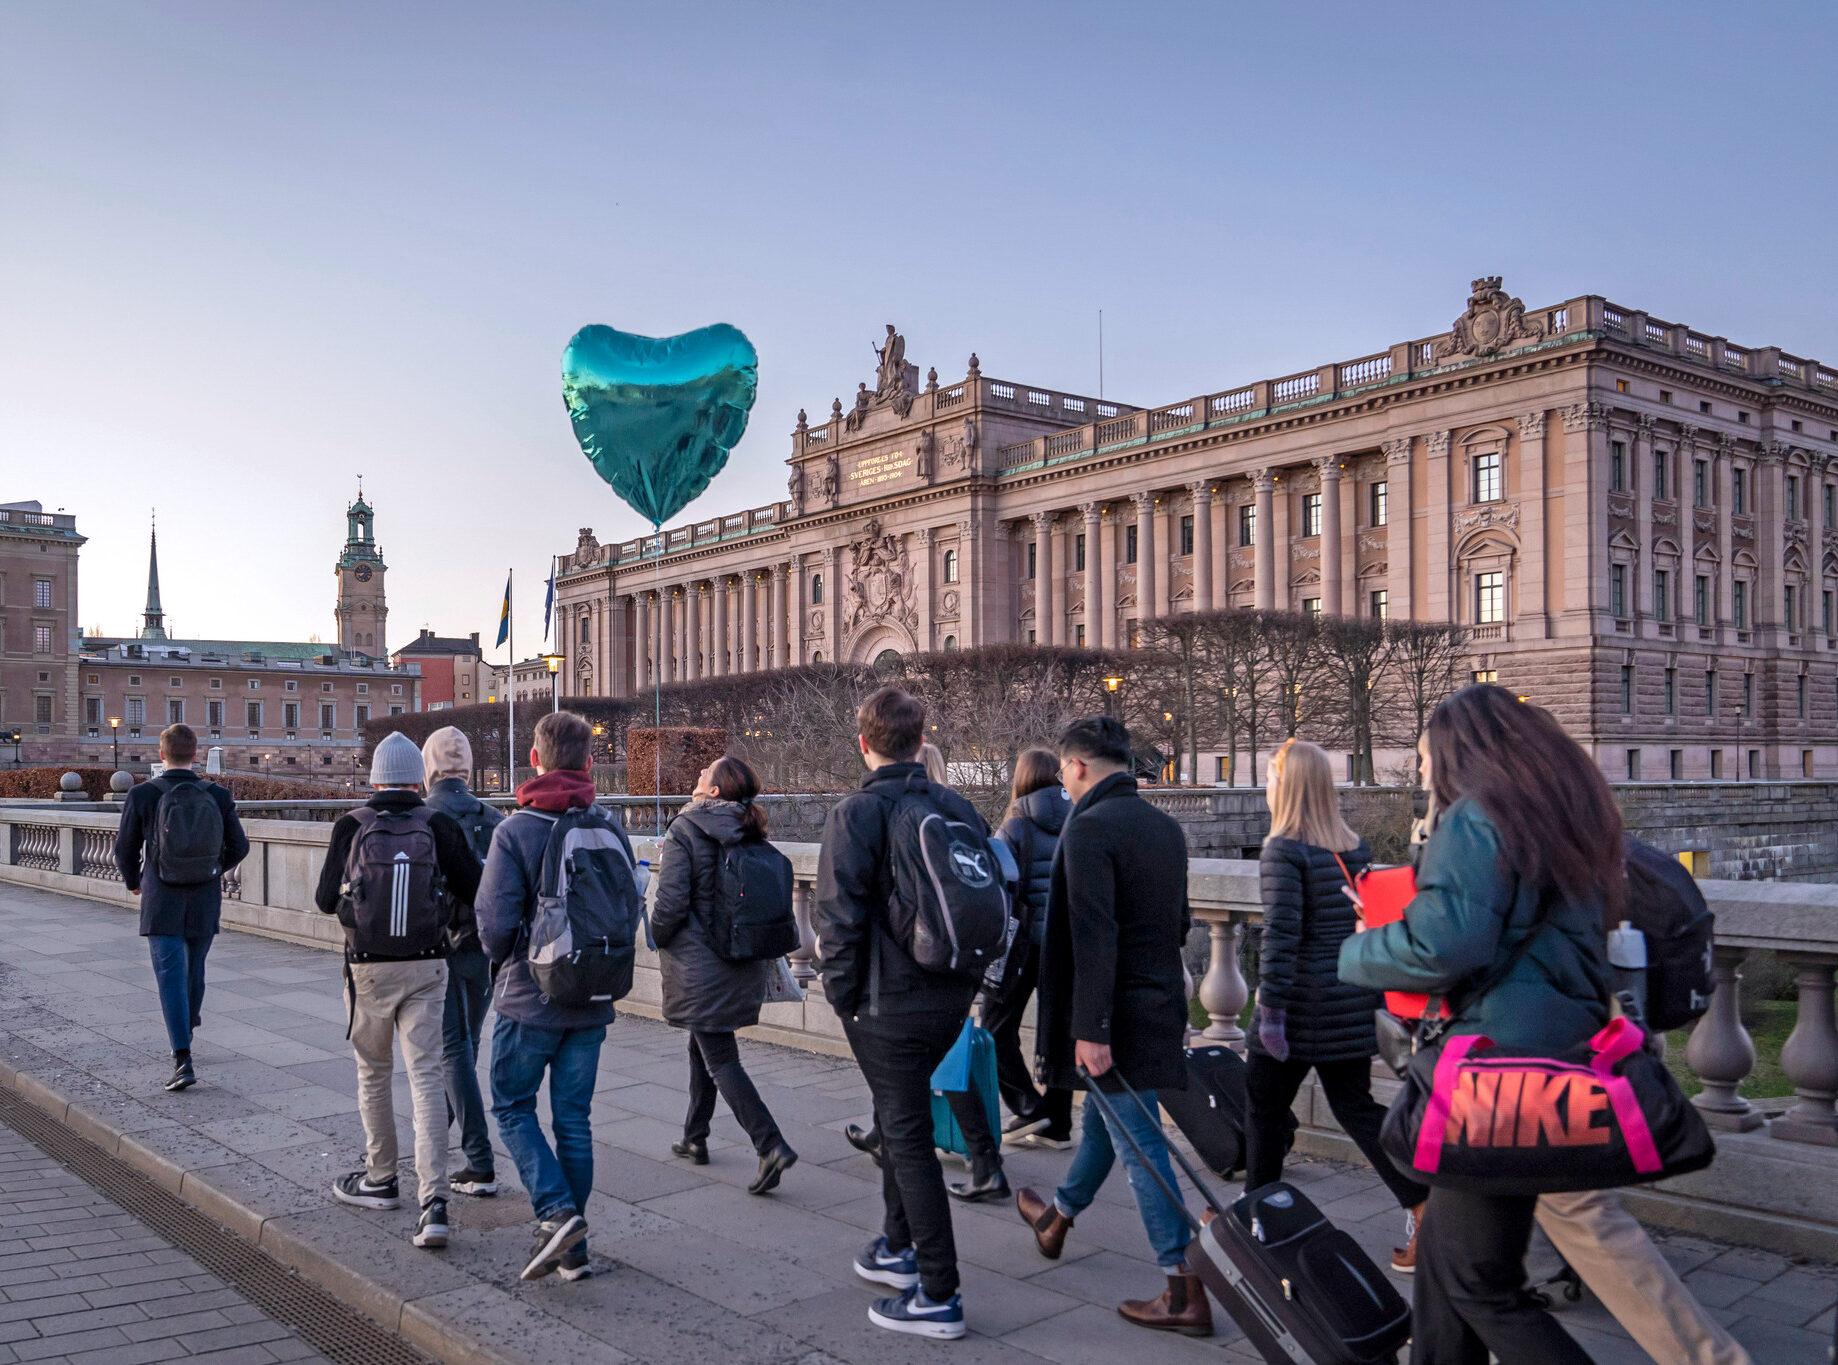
{"x":1469,"y":913}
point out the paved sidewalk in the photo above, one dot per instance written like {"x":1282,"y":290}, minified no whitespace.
{"x":689,"y":1267}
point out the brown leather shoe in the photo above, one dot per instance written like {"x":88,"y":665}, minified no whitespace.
{"x":1049,"y":1224}
{"x":1404,"y":1258}
{"x":1182,"y":1307}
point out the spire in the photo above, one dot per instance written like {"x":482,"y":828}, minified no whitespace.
{"x":153,"y":623}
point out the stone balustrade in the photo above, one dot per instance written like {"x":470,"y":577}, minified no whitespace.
{"x":1780,"y":1159}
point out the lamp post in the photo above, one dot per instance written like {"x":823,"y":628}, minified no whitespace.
{"x":1112,"y":685}
{"x":554,"y":664}
{"x":17,"y":739}
{"x":114,"y":731}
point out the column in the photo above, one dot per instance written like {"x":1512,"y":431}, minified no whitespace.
{"x":1263,"y":484}
{"x":1439,"y":601}
{"x":692,"y":629}
{"x":832,"y":602}
{"x":1330,"y":536}
{"x":673,"y":634}
{"x":718,"y":634}
{"x":778,"y":572}
{"x":971,"y":628}
{"x":1202,"y":565}
{"x":800,"y":594}
{"x":1641,"y":482}
{"x":1534,"y":571}
{"x":1721,"y":471}
{"x":1224,"y":536}
{"x":1771,"y":535}
{"x":1145,"y":556}
{"x":749,"y":626}
{"x":1586,"y":537}
{"x":1046,"y":599}
{"x":641,"y":604}
{"x":922,"y":555}
{"x":1167,"y":541}
{"x":1094,"y":591}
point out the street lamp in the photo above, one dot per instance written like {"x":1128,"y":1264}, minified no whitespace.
{"x":1112,"y":685}
{"x":17,"y":739}
{"x":114,"y":730}
{"x":554,"y":663}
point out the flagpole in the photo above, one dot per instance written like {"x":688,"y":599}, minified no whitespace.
{"x":510,"y":691}
{"x":548,"y":633}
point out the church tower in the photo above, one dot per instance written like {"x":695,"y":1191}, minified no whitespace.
{"x":361,"y":610}
{"x":153,"y":619}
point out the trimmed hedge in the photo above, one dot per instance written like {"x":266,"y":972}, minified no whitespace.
{"x":667,"y":762}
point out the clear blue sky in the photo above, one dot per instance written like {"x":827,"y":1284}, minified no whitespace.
{"x":251,"y":250}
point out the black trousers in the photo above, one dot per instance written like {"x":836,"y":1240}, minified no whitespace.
{"x":984,"y":1149}
{"x":897,"y":1055}
{"x":1470,"y":1277}
{"x":1270,"y":1089}
{"x":714,"y":1068}
{"x":1003,"y":1020}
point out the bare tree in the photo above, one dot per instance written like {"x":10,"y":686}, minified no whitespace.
{"x":1290,"y":643}
{"x":1354,"y":652}
{"x":1425,"y":659}
{"x":1241,"y":679}
{"x":1176,"y":657}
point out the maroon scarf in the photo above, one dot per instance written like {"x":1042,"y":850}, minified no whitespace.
{"x":562,"y":790}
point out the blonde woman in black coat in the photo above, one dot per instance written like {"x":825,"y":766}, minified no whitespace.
{"x":1307,"y":1018}
{"x":704,"y":992}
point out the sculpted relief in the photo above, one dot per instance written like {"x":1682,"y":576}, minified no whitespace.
{"x":1493,"y":321}
{"x":880,"y":587}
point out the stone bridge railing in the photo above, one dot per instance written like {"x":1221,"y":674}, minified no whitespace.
{"x":1775,"y":1182}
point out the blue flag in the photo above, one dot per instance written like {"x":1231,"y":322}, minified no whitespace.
{"x":548,"y":602}
{"x":504,"y":613}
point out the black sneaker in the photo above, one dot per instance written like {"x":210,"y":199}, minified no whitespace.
{"x":551,"y":1242}
{"x":479,"y":1184}
{"x":357,"y":1189}
{"x":183,"y":1077}
{"x":575,"y":1263}
{"x":431,"y":1231}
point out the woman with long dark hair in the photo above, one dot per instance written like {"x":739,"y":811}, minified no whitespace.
{"x":703,"y":991}
{"x":1526,"y":859}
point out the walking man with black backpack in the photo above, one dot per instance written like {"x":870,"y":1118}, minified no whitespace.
{"x":909,"y":912}
{"x":178,"y":836}
{"x":392,"y":873}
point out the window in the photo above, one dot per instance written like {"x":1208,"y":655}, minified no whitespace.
{"x":1790,"y":607}
{"x":1247,"y":525}
{"x":1379,"y":603}
{"x":133,"y":680}
{"x":254,"y":683}
{"x":1633,"y":765}
{"x":328,"y":716}
{"x":1311,"y":514}
{"x":1621,"y":386}
{"x":290,"y":715}
{"x":1739,"y":604}
{"x":1700,"y":599}
{"x":1800,"y":695}
{"x":1312,"y":606}
{"x":397,"y":710}
{"x":1671,"y":691}
{"x":1486,"y":675}
{"x":1748,"y":695}
{"x":252,"y":713}
{"x":1130,"y":543}
{"x":1716,"y":764}
{"x":213,"y":714}
{"x":1187,"y":535}
{"x":1627,"y":689}
{"x":1662,"y":595}
{"x":1219,"y":770}
{"x":41,"y":709}
{"x":395,"y":689}
{"x":1754,"y":765}
{"x":292,"y":685}
{"x":1032,"y":637}
{"x":1617,"y":465}
{"x":1739,"y":502}
{"x":1825,"y":611}
{"x":1703,"y":406}
{"x":1378,"y":499}
{"x":1660,"y":462}
{"x":1665,"y":395}
{"x":1793,"y":497}
{"x":1078,"y":553}
{"x":816,"y":588}
{"x":1675,"y":765}
{"x":361,"y":716}
{"x":216,"y":684}
{"x":325,"y":687}
{"x":950,"y":642}
{"x":1078,"y":636}
{"x":1487,"y":476}
{"x":1700,"y":483}
{"x":951,"y":562}
{"x":1831,"y":508}
{"x":1710,"y":693}
{"x":135,"y":713}
{"x":1489,"y":598}
{"x":587,"y":628}
{"x":175,"y":682}
{"x":1742,"y":416}
{"x":1617,"y":589}
{"x":1033,"y":560}
{"x":41,"y":594}
{"x":41,"y":639}
{"x":92,"y":712}
{"x":175,"y":710}
{"x":362,"y":688}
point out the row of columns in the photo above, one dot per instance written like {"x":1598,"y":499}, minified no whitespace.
{"x":681,"y":630}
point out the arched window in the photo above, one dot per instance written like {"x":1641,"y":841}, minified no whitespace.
{"x":816,"y":656}
{"x":887,"y":661}
{"x":950,"y":642}
{"x":816,"y":588}
{"x":950,"y":566}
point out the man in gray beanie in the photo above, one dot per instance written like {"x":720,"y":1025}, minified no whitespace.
{"x":391,"y":875}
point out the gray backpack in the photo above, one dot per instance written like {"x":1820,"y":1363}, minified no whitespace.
{"x":185,"y":843}
{"x":582,"y":944}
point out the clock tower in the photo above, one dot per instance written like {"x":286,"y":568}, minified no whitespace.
{"x":361,"y":610}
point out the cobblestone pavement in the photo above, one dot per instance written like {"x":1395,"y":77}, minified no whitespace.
{"x":689,"y":1267}
{"x":83,"y":1281}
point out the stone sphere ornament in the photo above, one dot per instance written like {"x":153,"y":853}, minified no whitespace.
{"x":657,"y":416}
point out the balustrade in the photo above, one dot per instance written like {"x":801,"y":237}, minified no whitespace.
{"x":96,"y":855}
{"x":35,"y":846}
{"x":1296,"y":387}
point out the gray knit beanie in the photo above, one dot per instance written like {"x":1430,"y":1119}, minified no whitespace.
{"x":396,"y":762}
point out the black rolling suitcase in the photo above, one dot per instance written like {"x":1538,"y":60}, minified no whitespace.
{"x":1210,"y":1112}
{"x":1299,"y":1288}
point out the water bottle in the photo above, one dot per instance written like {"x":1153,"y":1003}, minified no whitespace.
{"x":1627,"y":961}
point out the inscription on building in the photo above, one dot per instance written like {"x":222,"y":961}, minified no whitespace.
{"x":873,"y":470}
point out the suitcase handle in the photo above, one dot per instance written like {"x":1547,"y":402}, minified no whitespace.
{"x":1094,"y":1094}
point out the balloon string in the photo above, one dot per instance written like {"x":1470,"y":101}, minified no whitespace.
{"x":657,"y":695}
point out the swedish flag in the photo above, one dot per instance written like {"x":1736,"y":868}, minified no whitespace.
{"x":504,"y":613}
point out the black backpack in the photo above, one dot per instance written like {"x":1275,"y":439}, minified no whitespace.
{"x":185,"y":842}
{"x":949,"y":907}
{"x":1664,"y":903}
{"x":582,"y":934}
{"x":477,"y":825}
{"x":751,"y":919}
{"x":393,"y":901}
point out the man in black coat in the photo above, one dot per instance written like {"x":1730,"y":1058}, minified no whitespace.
{"x":1113,"y":1001}
{"x":178,"y":919}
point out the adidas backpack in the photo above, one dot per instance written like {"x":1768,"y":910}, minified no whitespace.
{"x":393,"y":900}
{"x":186,"y":840}
{"x":752,"y":919}
{"x":1664,"y":903}
{"x":588,"y":907}
{"x":949,"y":908}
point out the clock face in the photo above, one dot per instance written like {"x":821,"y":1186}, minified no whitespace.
{"x":362,"y":573}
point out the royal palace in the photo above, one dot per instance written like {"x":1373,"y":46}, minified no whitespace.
{"x":1636,"y":523}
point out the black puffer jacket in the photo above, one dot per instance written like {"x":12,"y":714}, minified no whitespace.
{"x":1032,"y":831}
{"x":1306,"y":919}
{"x":702,"y":989}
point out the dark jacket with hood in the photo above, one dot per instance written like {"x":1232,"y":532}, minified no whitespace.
{"x":1117,"y":919}
{"x":180,"y":911}
{"x":451,"y":796}
{"x":702,"y":989}
{"x":507,"y":897}
{"x":1032,"y":831}
{"x":849,"y":910}
{"x":1306,"y":919}
{"x":459,"y":869}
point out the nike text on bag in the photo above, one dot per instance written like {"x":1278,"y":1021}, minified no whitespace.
{"x":393,"y":901}
{"x":1605,"y":1114}
{"x":949,"y":908}
{"x":1664,"y":903}
{"x":752,"y":918}
{"x":187,"y":834}
{"x":588,"y":908}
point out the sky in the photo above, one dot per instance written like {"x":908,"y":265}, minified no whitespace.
{"x":249,"y":252}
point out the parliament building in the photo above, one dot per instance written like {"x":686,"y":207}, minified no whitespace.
{"x":1635,"y":522}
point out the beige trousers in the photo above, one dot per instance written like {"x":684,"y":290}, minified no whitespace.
{"x":1618,"y":1261}
{"x":405,"y":1000}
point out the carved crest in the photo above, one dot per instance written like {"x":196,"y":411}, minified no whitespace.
{"x":1494,"y":321}
{"x":1492,"y":514}
{"x":586,"y":547}
{"x":880,"y":585}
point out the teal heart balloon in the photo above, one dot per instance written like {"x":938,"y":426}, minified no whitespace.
{"x":657,"y":416}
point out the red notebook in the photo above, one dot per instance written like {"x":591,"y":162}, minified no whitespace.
{"x":1385,"y":893}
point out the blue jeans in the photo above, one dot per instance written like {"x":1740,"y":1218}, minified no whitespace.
{"x":1091,"y":1164}
{"x":462,"y":1025}
{"x":559,"y":1178}
{"x":178,"y":974}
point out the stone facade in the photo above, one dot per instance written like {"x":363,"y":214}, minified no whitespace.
{"x":1583,"y":486}
{"x":38,"y":620}
{"x":453,"y":669}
